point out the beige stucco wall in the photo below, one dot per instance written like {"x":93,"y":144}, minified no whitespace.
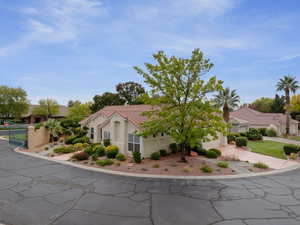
{"x":37,"y":137}
{"x":153,"y":144}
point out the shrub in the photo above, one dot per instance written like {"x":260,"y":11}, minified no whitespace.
{"x":80,"y":156}
{"x":46,"y":148}
{"x":89,"y":150}
{"x":211,"y":154}
{"x":206,"y":169}
{"x":105,"y":162}
{"x":293,"y":156}
{"x":64,"y":149}
{"x":202,"y":151}
{"x":241,"y":141}
{"x":288,"y":149}
{"x":163,"y":152}
{"x":69,"y":140}
{"x":81,"y":140}
{"x":112,"y":151}
{"x":260,"y":165}
{"x":137,"y":157}
{"x":254,"y":135}
{"x":155,"y":156}
{"x":173,"y":147}
{"x":95,"y":157}
{"x":187,"y":169}
{"x":271,"y":132}
{"x":217,"y":151}
{"x":78,"y":146}
{"x":223,"y":164}
{"x":232,"y":136}
{"x":243,"y":134}
{"x":120,"y":157}
{"x":156,"y":166}
{"x":262,"y":131}
{"x":100,"y":150}
{"x":106,"y":142}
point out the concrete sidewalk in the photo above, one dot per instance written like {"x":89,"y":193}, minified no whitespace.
{"x":282,"y":140}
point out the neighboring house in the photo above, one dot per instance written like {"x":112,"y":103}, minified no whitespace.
{"x":120,"y":124}
{"x":245,"y":118}
{"x":31,"y":118}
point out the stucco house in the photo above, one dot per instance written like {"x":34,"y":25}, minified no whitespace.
{"x":120,"y":123}
{"x":245,"y":118}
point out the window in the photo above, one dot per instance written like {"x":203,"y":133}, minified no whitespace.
{"x":133,"y":143}
{"x":117,"y":130}
{"x":92,"y":132}
{"x":106,"y":135}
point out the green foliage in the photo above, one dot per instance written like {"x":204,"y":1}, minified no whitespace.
{"x":232,"y":136}
{"x":137,"y":157}
{"x":260,"y":165}
{"x":206,"y":169}
{"x":55,"y":129}
{"x":155,"y":156}
{"x":64,"y":149}
{"x":295,"y":103}
{"x":111,"y":151}
{"x":217,"y":151}
{"x":120,"y":157}
{"x":288,"y":149}
{"x":173,"y":147}
{"x":179,"y":97}
{"x":202,"y":152}
{"x":79,"y":111}
{"x":69,"y":140}
{"x":106,"y":142}
{"x":13,"y":102}
{"x":278,"y":104}
{"x":241,"y":141}
{"x":262,"y":104}
{"x":89,"y":150}
{"x":105,"y":162}
{"x":95,"y":157}
{"x":293,"y":156}
{"x":271,"y":132}
{"x":211,"y":154}
{"x":223,"y":164}
{"x":78,"y":146}
{"x":81,"y":140}
{"x":47,"y":107}
{"x":254,"y":135}
{"x":100,"y":150}
{"x":130,"y":92}
{"x":263,"y":131}
{"x":163,"y":152}
{"x":106,"y":99}
{"x":80,"y":156}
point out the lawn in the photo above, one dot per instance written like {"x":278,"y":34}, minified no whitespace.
{"x":271,"y":148}
{"x":295,"y":138}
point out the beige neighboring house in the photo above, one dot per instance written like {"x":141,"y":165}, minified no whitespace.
{"x":245,"y":118}
{"x":120,"y":124}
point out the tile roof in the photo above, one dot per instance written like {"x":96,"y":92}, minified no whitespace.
{"x":259,"y":118}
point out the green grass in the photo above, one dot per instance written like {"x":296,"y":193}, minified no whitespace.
{"x":295,"y":138}
{"x":270,"y":148}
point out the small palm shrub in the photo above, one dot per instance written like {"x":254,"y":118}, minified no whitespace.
{"x":219,"y":153}
{"x":111,"y":151}
{"x":211,"y":154}
{"x":80,"y":156}
{"x":260,"y":165}
{"x":241,"y":141}
{"x":69,"y":140}
{"x":120,"y":157}
{"x":137,"y":157}
{"x":288,"y":149}
{"x":223,"y":164}
{"x":163,"y":152}
{"x":155,"y":156}
{"x":173,"y":147}
{"x":64,"y":149}
{"x":206,"y":169}
{"x":271,"y":132}
{"x":105,"y":162}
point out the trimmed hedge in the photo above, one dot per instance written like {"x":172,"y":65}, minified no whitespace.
{"x":241,"y":141}
{"x":163,"y":152}
{"x":155,"y":156}
{"x":120,"y":157}
{"x":217,"y":151}
{"x":288,"y":149}
{"x":211,"y":154}
{"x":137,"y":157}
{"x":254,"y":135}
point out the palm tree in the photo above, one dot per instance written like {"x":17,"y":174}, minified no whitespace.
{"x":54,"y":128}
{"x":287,"y":84}
{"x":228,"y":100}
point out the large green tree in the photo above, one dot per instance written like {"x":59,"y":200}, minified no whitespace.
{"x":131,"y":92}
{"x":106,"y":99}
{"x":289,"y":85}
{"x":228,"y":100}
{"x":47,"y":108}
{"x":13,"y":102}
{"x":262,"y":104}
{"x":278,"y":104}
{"x":79,"y":111}
{"x":179,"y":96}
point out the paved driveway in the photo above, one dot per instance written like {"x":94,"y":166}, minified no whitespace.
{"x":34,"y":191}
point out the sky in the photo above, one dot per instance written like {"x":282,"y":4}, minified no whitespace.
{"x":75,"y":49}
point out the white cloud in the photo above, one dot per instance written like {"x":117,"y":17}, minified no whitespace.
{"x":289,"y":57}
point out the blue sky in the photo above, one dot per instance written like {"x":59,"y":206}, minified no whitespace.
{"x":74,"y":49}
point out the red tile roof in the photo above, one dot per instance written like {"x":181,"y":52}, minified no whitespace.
{"x":259,"y":118}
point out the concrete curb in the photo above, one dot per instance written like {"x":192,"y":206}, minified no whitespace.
{"x":212,"y":177}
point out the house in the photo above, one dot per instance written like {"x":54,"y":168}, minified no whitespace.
{"x":31,"y":118}
{"x":119,"y":124}
{"x":245,"y":118}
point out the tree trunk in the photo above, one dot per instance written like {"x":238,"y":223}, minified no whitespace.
{"x":226,"y":113}
{"x":287,"y":112}
{"x":182,"y":158}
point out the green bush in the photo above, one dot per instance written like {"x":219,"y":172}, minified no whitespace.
{"x":89,"y":150}
{"x":223,"y":164}
{"x":163,"y":152}
{"x":112,"y":151}
{"x":206,"y":169}
{"x":288,"y":149}
{"x":155,"y":156}
{"x":211,"y":154}
{"x":262,"y":131}
{"x":202,"y":151}
{"x":243,"y":134}
{"x":105,"y":162}
{"x":120,"y":157}
{"x":64,"y":149}
{"x":100,"y":150}
{"x":95,"y":157}
{"x":81,"y":140}
{"x":254,"y":135}
{"x":232,"y":136}
{"x":137,"y":157}
{"x":260,"y":165}
{"x":173,"y":147}
{"x":80,"y":156}
{"x":271,"y":132}
{"x":106,"y":142}
{"x":217,"y":151}
{"x":241,"y":141}
{"x":69,"y":140}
